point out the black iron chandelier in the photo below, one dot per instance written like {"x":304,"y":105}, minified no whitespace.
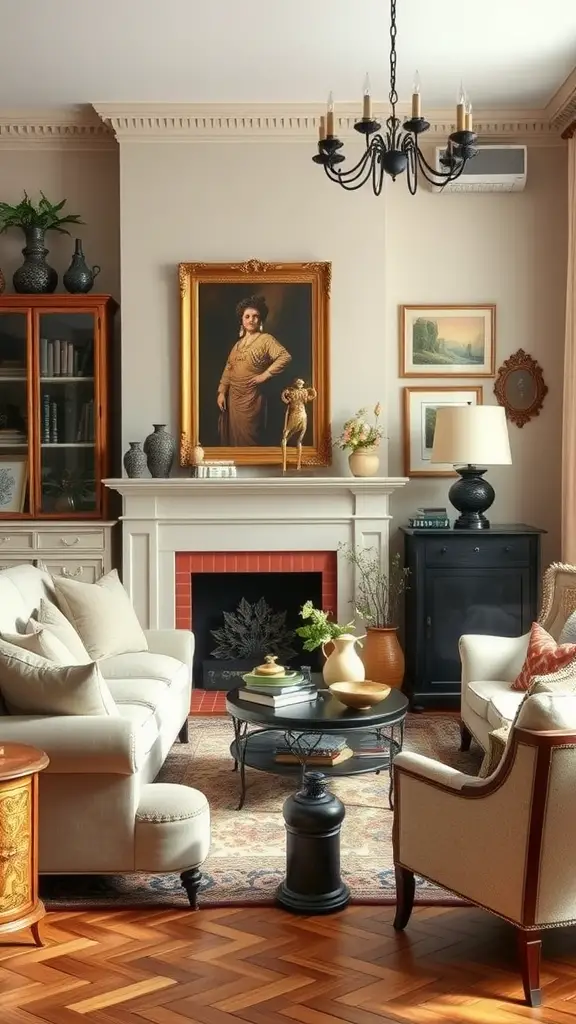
{"x":397,"y":150}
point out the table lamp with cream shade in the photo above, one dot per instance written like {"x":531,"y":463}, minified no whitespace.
{"x":471,"y":437}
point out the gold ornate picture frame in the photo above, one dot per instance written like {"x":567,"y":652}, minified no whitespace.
{"x":248,"y":331}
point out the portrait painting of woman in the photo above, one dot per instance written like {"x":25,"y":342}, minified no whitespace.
{"x":248,"y":330}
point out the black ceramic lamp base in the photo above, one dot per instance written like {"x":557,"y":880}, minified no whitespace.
{"x":471,"y":496}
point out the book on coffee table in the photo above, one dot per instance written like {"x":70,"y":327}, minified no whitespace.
{"x":318,"y":758}
{"x":282,"y":700}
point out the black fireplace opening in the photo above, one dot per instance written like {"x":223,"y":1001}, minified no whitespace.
{"x":239,"y":617}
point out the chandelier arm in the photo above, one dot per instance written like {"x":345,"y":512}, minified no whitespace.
{"x":351,"y":174}
{"x":347,"y":179}
{"x":439,"y":178}
{"x":411,"y":167}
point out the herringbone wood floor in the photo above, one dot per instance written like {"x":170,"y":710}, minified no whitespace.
{"x":265,"y":966}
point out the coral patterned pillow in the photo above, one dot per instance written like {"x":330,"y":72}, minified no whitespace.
{"x":544,"y":657}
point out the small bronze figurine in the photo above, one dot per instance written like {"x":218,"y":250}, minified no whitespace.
{"x":296,"y":419}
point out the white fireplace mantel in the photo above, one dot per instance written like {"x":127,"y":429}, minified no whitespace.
{"x":163,"y":516}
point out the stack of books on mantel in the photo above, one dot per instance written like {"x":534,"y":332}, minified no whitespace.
{"x":278,"y":690}
{"x":430,"y":518}
{"x":313,"y":748}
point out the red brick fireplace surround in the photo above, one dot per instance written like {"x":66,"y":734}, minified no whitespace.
{"x":188,"y":563}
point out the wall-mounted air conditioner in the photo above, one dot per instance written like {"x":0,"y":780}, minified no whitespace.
{"x":493,"y":169}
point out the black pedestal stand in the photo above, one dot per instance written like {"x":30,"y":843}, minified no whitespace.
{"x":313,"y":819}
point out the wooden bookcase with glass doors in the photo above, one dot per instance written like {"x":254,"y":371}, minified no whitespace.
{"x":55,"y":405}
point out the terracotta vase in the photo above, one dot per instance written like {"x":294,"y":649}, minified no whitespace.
{"x":364,"y":462}
{"x":383,"y":657}
{"x":343,"y":664}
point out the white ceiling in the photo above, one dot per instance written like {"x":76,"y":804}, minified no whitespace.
{"x":509,"y":53}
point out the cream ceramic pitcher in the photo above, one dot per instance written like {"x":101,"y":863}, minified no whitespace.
{"x":343,"y":665}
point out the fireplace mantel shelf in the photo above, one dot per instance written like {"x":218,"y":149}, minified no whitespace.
{"x":180,"y":486}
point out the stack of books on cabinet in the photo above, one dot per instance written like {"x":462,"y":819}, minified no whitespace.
{"x":430,"y":518}
{"x":63,"y":359}
{"x":66,"y":421}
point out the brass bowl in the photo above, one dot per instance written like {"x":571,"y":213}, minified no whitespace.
{"x":360,"y":696}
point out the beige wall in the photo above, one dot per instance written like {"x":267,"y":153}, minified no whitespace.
{"x":235,"y":200}
{"x":88,"y":179}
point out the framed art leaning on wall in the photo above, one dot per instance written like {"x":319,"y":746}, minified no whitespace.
{"x":248,"y":331}
{"x":447,"y":341}
{"x":420,"y":408}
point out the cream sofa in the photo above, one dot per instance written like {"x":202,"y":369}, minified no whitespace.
{"x":491,"y":663}
{"x":99,"y":812}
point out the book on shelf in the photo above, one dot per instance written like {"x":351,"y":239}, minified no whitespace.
{"x":319,"y":759}
{"x":432,"y":511}
{"x":61,"y":358}
{"x":203,"y":472}
{"x":377,"y":750}
{"x":419,"y":523}
{"x":313,"y":742}
{"x":283,"y":700}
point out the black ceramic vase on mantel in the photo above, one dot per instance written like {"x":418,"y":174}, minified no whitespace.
{"x":79,"y":278}
{"x":160,"y":449}
{"x":35,"y":276}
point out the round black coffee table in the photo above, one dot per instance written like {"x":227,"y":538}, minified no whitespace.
{"x":255,"y":747}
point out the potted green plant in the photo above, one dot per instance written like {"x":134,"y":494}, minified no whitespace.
{"x":342,"y":663}
{"x":378,"y":597}
{"x":68,"y":490}
{"x":35,"y":276}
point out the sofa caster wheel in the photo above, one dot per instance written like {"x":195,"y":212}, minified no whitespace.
{"x":191,"y":881}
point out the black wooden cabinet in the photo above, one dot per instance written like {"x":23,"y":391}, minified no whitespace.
{"x":463,"y":581}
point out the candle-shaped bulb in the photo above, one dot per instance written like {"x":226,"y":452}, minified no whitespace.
{"x":330,"y":116}
{"x":468,"y":117}
{"x":366,"y":100}
{"x":460,"y":109}
{"x":416,"y":102}
{"x":322,"y":128}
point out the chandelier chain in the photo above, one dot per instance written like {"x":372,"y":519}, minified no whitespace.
{"x":393,"y":95}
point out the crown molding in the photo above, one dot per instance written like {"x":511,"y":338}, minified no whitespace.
{"x":69,"y":128}
{"x":561,"y":110}
{"x":189,"y":122}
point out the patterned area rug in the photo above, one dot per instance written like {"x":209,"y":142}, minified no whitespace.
{"x":246,"y":861}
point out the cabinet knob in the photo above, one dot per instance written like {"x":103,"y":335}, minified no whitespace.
{"x":476,"y":550}
{"x":428,"y":627}
{"x":507,"y":548}
{"x":69,"y":543}
{"x":443,"y":550}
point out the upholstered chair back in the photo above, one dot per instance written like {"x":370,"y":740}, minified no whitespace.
{"x":558,"y":597}
{"x":544,"y":740}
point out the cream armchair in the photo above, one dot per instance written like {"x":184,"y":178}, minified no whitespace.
{"x":491,"y":663}
{"x":506,"y":843}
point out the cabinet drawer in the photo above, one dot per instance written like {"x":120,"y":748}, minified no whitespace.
{"x":10,"y":541}
{"x":73,"y":540}
{"x":86,"y":570}
{"x":485,"y":552}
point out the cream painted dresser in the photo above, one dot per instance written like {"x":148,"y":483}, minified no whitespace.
{"x":79,"y":548}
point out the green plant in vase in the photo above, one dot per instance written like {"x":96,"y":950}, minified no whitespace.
{"x":35,"y":276}
{"x":342,"y":663}
{"x":69,"y":489}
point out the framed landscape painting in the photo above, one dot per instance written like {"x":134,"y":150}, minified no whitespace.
{"x":447,"y":341}
{"x":248,"y":331}
{"x":420,"y":408}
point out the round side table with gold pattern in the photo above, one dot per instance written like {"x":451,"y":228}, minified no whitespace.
{"x":20,"y":906}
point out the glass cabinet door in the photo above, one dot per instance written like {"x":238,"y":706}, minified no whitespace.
{"x":67,"y":413}
{"x":14,"y":426}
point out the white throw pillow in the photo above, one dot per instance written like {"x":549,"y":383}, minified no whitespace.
{"x":50,"y":616}
{"x":31,"y":685}
{"x":568,"y":634}
{"x":41,"y":641}
{"x":102,"y":614}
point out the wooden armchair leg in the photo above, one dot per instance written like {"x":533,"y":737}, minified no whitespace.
{"x":465,"y":737}
{"x":529,"y":949}
{"x":404,"y":897}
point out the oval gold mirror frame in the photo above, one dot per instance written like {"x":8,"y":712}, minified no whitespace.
{"x":520,"y":387}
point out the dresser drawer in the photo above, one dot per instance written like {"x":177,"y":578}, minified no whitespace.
{"x":70,"y":540}
{"x":86,"y":570}
{"x":484,"y":552}
{"x":15,"y":541}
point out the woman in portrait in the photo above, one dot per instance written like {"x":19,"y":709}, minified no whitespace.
{"x":255,"y":358}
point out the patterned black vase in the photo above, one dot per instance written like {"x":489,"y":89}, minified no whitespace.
{"x":135,"y":462}
{"x":35,"y":277}
{"x":79,"y":278}
{"x":160,"y":449}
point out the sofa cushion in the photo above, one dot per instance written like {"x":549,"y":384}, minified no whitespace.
{"x":42,"y":642}
{"x":544,"y":711}
{"x":143,"y":721}
{"x":102,"y":614}
{"x":568,"y":632}
{"x":144,"y":665}
{"x":32,"y":685}
{"x":544,"y":657}
{"x":50,"y":616}
{"x":503,"y":706}
{"x":479,"y":693}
